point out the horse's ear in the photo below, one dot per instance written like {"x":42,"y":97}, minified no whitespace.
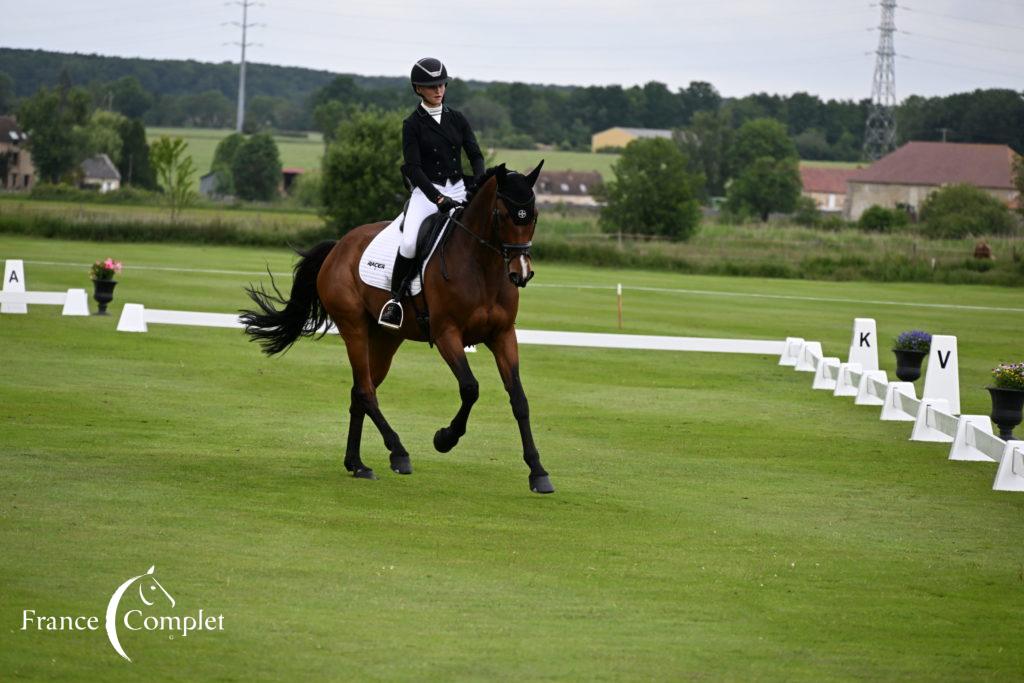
{"x":534,"y":174}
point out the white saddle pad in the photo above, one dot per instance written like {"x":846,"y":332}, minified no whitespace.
{"x":378,"y":260}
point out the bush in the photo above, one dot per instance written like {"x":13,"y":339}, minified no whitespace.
{"x":70,"y":193}
{"x":362,"y":177}
{"x":256,"y":168}
{"x":765,"y":186}
{"x":806,"y":213}
{"x":960,"y":210}
{"x":653,"y":193}
{"x":880,"y":219}
{"x":307,"y":189}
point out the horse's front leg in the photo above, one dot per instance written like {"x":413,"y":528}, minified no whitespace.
{"x":506,"y":354}
{"x":449,"y":344}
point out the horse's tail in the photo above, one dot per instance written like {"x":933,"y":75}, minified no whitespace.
{"x":303,"y":314}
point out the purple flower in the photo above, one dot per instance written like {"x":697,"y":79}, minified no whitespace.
{"x":914,"y":340}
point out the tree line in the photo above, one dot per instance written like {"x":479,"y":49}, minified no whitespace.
{"x":519,"y":115}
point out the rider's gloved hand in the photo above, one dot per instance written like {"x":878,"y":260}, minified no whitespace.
{"x":446,"y":204}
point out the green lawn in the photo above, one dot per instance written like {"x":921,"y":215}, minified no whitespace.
{"x":715,"y":518}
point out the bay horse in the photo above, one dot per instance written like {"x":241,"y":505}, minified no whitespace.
{"x":471,"y":290}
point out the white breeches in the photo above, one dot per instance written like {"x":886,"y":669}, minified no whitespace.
{"x":419,"y":208}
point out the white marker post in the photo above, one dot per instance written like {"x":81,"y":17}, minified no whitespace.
{"x":14,"y":281}
{"x":863,"y":346}
{"x":618,"y":293}
{"x":942,"y":379}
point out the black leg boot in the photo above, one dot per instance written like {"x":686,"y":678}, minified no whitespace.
{"x":392,"y":315}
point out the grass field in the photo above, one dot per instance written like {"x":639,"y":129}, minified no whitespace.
{"x":307,"y":152}
{"x":715,"y":518}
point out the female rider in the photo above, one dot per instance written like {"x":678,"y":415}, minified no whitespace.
{"x":433,"y":138}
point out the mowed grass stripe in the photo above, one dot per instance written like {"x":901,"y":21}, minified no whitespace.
{"x":715,"y":517}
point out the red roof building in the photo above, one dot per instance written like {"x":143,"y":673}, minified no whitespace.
{"x":826,"y":186}
{"x":907,"y":176}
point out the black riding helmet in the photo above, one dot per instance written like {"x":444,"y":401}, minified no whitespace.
{"x":428,"y":71}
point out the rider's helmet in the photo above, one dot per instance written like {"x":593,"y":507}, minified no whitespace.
{"x":428,"y":71}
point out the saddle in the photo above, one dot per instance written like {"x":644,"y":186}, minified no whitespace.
{"x":377,"y":262}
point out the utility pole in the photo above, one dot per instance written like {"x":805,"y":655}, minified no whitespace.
{"x":245,"y":25}
{"x":880,"y":130}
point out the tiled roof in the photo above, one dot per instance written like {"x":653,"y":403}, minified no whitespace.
{"x":100,"y":167}
{"x":568,"y":182}
{"x":825,"y":180}
{"x":9,"y":131}
{"x":942,"y":163}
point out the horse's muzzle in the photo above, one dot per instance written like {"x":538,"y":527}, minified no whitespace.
{"x":518,"y":280}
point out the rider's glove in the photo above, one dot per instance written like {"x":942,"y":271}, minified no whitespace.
{"x":447,"y":204}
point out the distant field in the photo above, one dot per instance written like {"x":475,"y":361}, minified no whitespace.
{"x":306,"y":153}
{"x":295,"y":151}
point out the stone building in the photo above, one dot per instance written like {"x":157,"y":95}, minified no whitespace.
{"x":16,"y":169}
{"x":907,"y":176}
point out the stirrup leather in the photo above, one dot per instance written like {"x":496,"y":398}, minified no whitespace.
{"x":386,"y":320}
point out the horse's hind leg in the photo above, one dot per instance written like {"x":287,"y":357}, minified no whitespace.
{"x":449,"y":344}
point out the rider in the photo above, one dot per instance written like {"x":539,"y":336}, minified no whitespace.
{"x":433,"y":137}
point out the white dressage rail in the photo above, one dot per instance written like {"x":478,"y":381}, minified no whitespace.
{"x":74,"y":301}
{"x":137,"y":318}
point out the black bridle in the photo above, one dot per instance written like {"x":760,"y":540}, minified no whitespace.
{"x":521,"y":213}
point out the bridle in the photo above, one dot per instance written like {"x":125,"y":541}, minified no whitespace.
{"x":521,"y":213}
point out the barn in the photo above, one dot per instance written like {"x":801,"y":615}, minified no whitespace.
{"x":617,"y":137}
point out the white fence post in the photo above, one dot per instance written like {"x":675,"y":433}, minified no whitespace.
{"x":942,"y":379}
{"x":891,"y":409}
{"x":849,"y":378}
{"x":791,"y":351}
{"x":863,"y":347}
{"x":865,"y":395}
{"x":927,"y":425}
{"x":133,"y":319}
{"x":805,"y":362}
{"x":1010,"y":475}
{"x":824,"y":377}
{"x":965,"y":446}
{"x":14,"y":281}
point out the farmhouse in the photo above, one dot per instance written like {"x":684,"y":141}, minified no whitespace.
{"x":620,"y":137}
{"x":100,"y":173}
{"x":567,"y":187}
{"x":907,"y":176}
{"x":16,"y":169}
{"x":826,"y":186}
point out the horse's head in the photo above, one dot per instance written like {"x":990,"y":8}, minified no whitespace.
{"x":149,"y":586}
{"x":513,"y":219}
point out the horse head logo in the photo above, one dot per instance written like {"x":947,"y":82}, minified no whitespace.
{"x":147,"y":587}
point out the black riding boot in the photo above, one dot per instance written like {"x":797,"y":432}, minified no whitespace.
{"x":391,"y":315}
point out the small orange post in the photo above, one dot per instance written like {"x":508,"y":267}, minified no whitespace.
{"x":619,"y":296}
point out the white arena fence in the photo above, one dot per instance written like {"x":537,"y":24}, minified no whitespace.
{"x":936,"y":415}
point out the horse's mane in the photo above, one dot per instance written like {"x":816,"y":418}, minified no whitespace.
{"x":511,"y":184}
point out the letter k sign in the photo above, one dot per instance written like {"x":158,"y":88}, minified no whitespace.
{"x":865,"y":339}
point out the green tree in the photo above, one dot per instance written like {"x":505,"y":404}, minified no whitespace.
{"x":135,"y":167}
{"x":174,"y":171}
{"x":256,"y":168}
{"x":50,"y":117}
{"x":101,"y":135}
{"x":758,"y":139}
{"x":6,"y":93}
{"x":707,"y":144}
{"x":880,"y":219}
{"x":767,"y":185}
{"x":224,"y":161}
{"x":960,"y":210}
{"x":362,"y":179}
{"x":653,"y":192}
{"x":129,"y":97}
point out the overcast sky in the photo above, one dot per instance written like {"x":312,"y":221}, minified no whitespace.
{"x":825,"y":47}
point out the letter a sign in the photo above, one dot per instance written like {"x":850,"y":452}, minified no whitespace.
{"x":863,"y":347}
{"x":14,"y":281}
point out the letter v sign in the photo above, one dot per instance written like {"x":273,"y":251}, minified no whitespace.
{"x":942,"y":379}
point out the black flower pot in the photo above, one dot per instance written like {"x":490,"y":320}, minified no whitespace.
{"x":1007,"y":406}
{"x":908,"y":364}
{"x":103,"y":293}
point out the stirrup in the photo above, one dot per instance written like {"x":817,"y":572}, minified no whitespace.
{"x":386,"y":320}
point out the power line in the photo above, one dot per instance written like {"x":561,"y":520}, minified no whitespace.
{"x":244,"y":25}
{"x":962,"y":42}
{"x":972,"y":21}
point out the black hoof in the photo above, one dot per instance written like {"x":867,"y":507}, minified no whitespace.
{"x":541,"y":484}
{"x":364,"y":473}
{"x":400,"y":464}
{"x":444,"y":441}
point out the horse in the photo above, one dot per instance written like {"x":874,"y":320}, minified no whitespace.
{"x":471,"y":291}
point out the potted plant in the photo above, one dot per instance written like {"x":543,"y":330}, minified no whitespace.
{"x":1007,"y":397}
{"x":910,"y":348}
{"x":103,"y":282}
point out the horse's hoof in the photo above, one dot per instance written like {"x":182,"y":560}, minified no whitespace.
{"x":400,"y":464}
{"x":444,"y":441}
{"x":364,"y":473}
{"x":541,"y":484}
